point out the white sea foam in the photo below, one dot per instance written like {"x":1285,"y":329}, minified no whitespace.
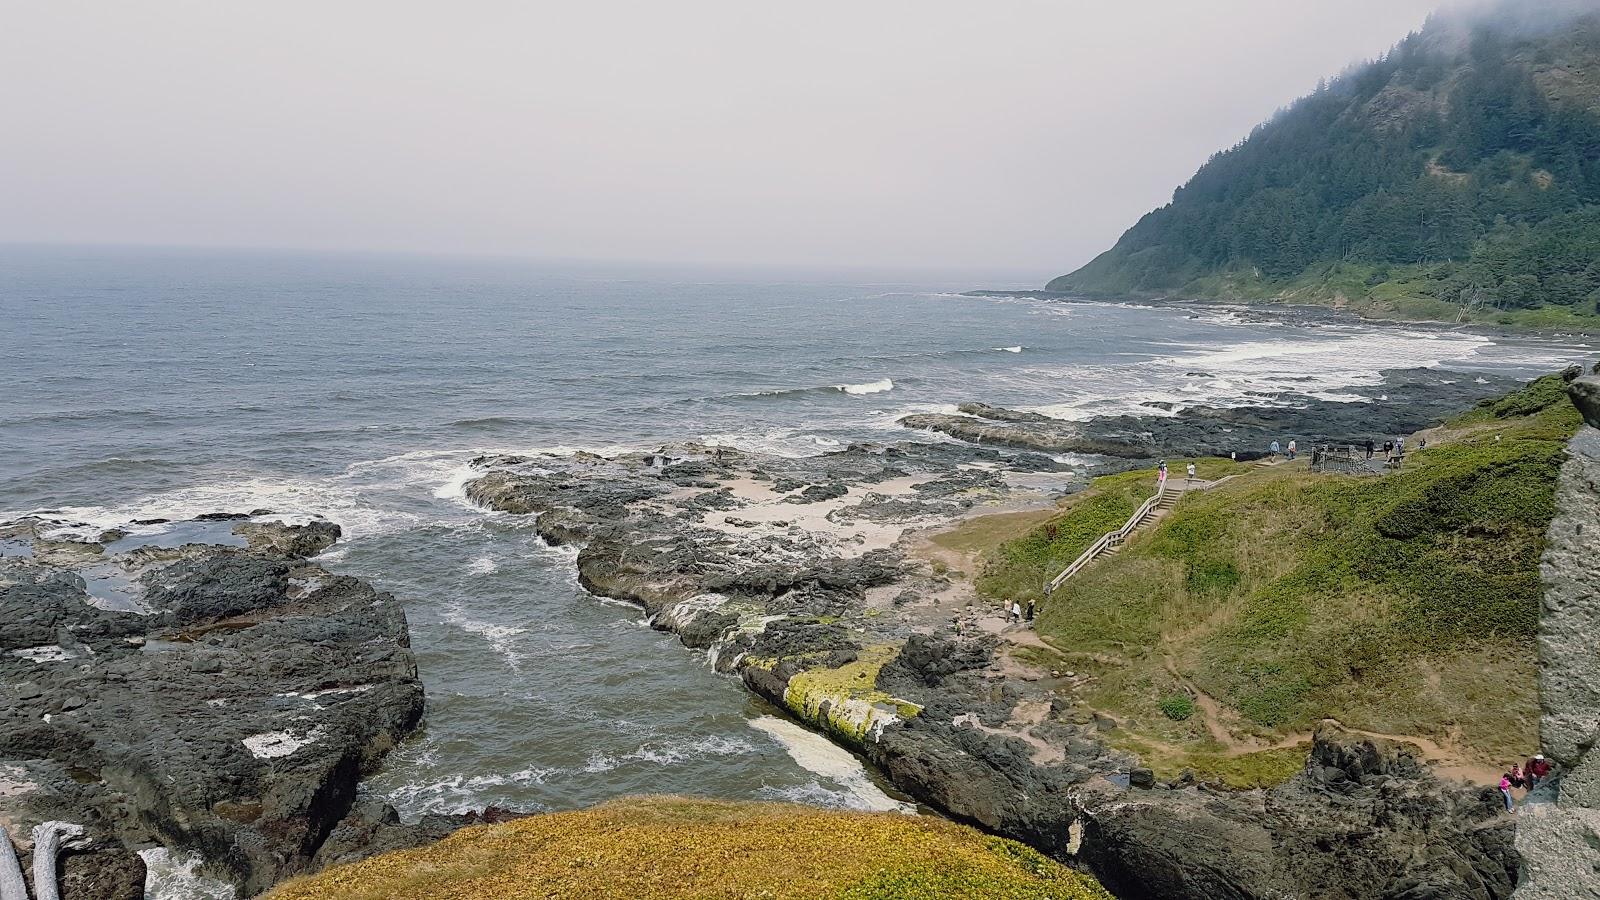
{"x":671,"y":753}
{"x":483,"y":565}
{"x":455,"y":486}
{"x":869,"y":387}
{"x":786,"y":442}
{"x":1017,"y":349}
{"x":1334,"y":365}
{"x":822,"y":757}
{"x":461,"y":793}
{"x":500,"y":637}
{"x":169,"y":876}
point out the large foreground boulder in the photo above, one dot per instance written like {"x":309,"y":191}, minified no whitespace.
{"x":216,"y":700}
{"x":1558,"y":830}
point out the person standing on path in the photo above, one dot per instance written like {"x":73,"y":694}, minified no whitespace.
{"x":1191,"y":470}
{"x":1505,"y":791}
{"x":1161,"y":476}
{"x":1369,"y":448}
{"x":1292,"y":448}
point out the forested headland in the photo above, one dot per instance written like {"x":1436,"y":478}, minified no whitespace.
{"x":1457,"y":178}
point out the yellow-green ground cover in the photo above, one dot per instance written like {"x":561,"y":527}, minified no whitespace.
{"x":673,"y":847}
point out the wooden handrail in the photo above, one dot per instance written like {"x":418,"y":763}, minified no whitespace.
{"x":1112,"y":538}
{"x":1208,"y":485}
{"x":1107,"y":540}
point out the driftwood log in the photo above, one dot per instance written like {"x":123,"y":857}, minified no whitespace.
{"x":48,"y":839}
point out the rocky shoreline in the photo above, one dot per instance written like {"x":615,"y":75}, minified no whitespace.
{"x":202,"y":688}
{"x":196,"y":689}
{"x":1412,"y":400}
{"x":798,"y":577}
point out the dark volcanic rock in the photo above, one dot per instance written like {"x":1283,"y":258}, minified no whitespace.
{"x":1050,"y":436}
{"x":1585,"y":394}
{"x":373,"y":827}
{"x":1365,"y":819}
{"x":1410,"y":399}
{"x":233,"y":718}
{"x":926,"y":660}
{"x":106,"y":872}
{"x":298,"y":541}
{"x":1001,"y":414}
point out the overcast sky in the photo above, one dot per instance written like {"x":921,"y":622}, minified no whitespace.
{"x":1003,"y":134}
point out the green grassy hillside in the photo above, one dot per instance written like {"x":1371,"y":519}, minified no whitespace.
{"x":674,"y":847}
{"x":1458,"y":176}
{"x":1404,"y":604}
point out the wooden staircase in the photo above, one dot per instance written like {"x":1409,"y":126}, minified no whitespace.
{"x":1166,"y":497}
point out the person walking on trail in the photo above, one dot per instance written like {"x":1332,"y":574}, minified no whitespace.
{"x":1161,"y":476}
{"x":1292,"y":448}
{"x":1191,"y":471}
{"x":1275,"y":450}
{"x":1505,"y":791}
{"x":1029,"y":612}
{"x":1016,"y":611}
{"x":1369,"y":448}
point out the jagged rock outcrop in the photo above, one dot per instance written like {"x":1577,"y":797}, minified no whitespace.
{"x":220,"y":700}
{"x":1365,"y":818}
{"x":1558,"y":832}
{"x":1413,"y":399}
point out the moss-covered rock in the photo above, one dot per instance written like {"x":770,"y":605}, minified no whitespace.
{"x":846,"y":700}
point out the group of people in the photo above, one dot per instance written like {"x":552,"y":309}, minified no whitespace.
{"x":1394,"y":451}
{"x":1527,"y":776}
{"x":1161,"y":473}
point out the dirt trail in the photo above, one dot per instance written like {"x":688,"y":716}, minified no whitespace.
{"x":1446,"y":760}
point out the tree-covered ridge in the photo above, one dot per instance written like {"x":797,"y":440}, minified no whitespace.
{"x":1464,"y":165}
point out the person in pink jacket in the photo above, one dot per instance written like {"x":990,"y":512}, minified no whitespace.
{"x":1505,"y":791}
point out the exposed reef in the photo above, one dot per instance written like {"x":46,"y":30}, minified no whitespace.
{"x":816,"y":602}
{"x":1411,"y":399}
{"x":194,"y":686}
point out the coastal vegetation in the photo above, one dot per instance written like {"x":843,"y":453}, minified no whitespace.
{"x":1456,"y":177}
{"x":652,"y":848}
{"x":1025,"y":563}
{"x":1404,"y":604}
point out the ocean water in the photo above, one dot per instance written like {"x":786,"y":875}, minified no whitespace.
{"x":143,"y":383}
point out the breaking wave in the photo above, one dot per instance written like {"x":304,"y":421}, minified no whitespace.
{"x":870,"y":387}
